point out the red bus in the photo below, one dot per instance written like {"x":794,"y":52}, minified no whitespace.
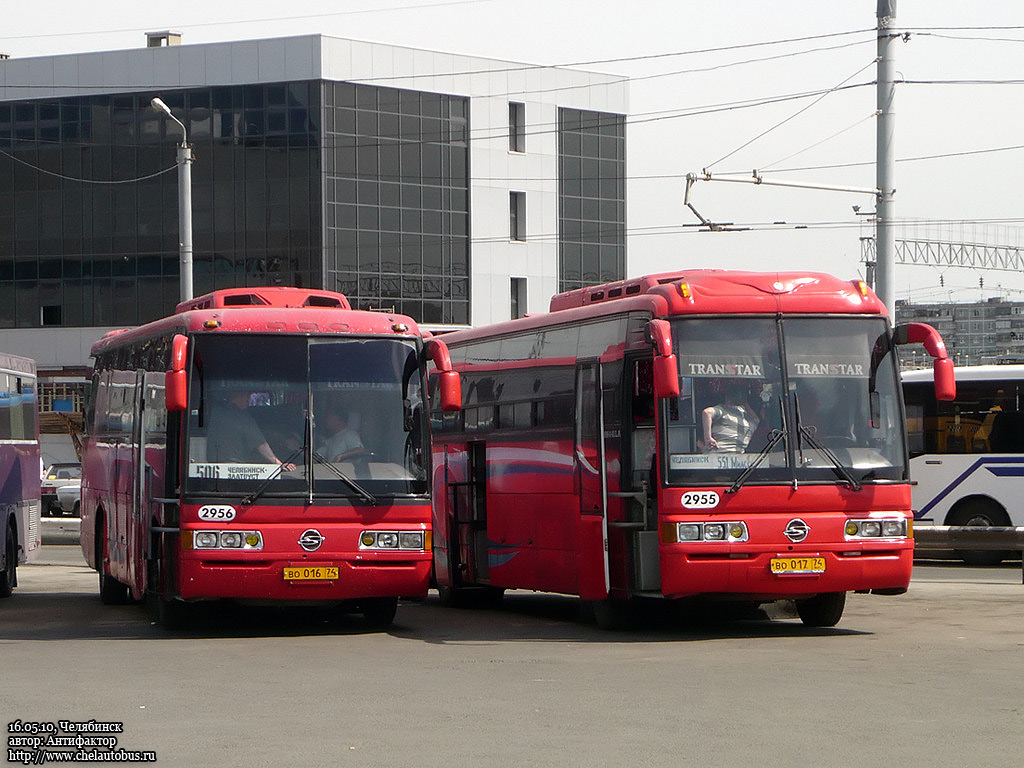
{"x":708,"y":433}
{"x":264,"y":444}
{"x":20,"y":468}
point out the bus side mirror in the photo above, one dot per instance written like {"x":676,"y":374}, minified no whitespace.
{"x":945,"y":381}
{"x":176,"y":383}
{"x":922,"y":333}
{"x":450,"y":390}
{"x":448,"y":381}
{"x":666,"y":369}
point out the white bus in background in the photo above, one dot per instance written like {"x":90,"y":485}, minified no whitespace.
{"x":967,"y":455}
{"x":20,"y":534}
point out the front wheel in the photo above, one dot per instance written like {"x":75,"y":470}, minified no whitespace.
{"x":9,"y":574}
{"x":822,"y":610}
{"x":380,"y":611}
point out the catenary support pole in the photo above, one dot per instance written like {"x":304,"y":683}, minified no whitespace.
{"x":885,"y":164}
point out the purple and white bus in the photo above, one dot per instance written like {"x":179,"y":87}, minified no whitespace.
{"x":19,"y":468}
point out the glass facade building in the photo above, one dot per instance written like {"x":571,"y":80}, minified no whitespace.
{"x":591,"y":198}
{"x":419,"y":182}
{"x":354,"y":188}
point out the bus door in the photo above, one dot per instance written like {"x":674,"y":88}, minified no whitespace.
{"x":592,"y":482}
{"x":138,"y":514}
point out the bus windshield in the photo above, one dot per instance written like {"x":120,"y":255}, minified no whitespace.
{"x":346,"y":412}
{"x":789,"y":399}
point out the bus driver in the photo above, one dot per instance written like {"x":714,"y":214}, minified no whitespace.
{"x":729,"y":426}
{"x":234,"y":435}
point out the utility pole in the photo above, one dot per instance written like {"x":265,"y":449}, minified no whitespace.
{"x":885,"y":162}
{"x":184,"y":203}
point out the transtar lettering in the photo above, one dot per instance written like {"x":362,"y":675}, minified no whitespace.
{"x":725,"y":369}
{"x":828,"y":369}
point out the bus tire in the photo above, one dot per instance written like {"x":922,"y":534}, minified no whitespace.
{"x":172,"y":614}
{"x":379,"y":611}
{"x":471,"y":597}
{"x":612,"y":614}
{"x":982,"y":513}
{"x":112,"y":592}
{"x":822,"y":610}
{"x":9,"y":574}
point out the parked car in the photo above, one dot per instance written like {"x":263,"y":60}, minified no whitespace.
{"x":68,"y":497}
{"x":55,"y":476}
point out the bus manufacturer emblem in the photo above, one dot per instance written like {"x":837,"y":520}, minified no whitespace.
{"x":796,"y":530}
{"x":311,"y":540}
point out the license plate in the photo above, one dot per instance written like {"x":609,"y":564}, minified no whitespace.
{"x":312,"y":573}
{"x":797,"y":565}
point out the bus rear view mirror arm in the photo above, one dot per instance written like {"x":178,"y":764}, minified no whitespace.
{"x":922,"y":333}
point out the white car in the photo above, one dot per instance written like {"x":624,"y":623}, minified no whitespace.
{"x":68,"y":498}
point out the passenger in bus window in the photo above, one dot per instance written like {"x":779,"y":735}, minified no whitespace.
{"x":344,"y":442}
{"x":234,"y":436}
{"x":728,"y":427}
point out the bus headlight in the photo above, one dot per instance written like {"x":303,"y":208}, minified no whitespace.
{"x":206,"y":539}
{"x":876,"y":528}
{"x":729,"y":532}
{"x":418,"y":540}
{"x":410,"y":540}
{"x":227,"y":540}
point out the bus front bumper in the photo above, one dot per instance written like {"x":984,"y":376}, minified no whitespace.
{"x":789,"y":574}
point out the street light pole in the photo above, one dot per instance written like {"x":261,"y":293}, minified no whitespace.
{"x":184,"y":203}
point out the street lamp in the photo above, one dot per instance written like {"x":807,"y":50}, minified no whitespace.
{"x":184,"y":202}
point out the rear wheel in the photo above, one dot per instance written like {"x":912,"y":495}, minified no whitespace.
{"x":380,"y":611}
{"x":822,"y":610}
{"x":9,"y":574}
{"x":980,"y":513}
{"x":112,"y":592}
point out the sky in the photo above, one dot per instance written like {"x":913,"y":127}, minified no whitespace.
{"x":693,"y":65}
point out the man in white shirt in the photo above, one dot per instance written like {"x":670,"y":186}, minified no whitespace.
{"x":343,"y":443}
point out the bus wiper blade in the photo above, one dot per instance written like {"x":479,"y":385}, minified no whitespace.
{"x":365,"y":494}
{"x":773,"y":439}
{"x":775,"y":436}
{"x":837,"y":466}
{"x":246,"y":501}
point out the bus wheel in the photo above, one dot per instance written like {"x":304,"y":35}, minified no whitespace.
{"x":172,"y":614}
{"x":112,"y":592}
{"x":9,"y":575}
{"x":612,"y":615}
{"x":471,"y":597}
{"x":379,"y":611}
{"x":978,"y":512}
{"x":822,"y":610}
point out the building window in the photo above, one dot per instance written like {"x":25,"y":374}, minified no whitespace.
{"x":517,"y":215}
{"x":51,"y":315}
{"x":516,"y":126}
{"x":518,"y":297}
